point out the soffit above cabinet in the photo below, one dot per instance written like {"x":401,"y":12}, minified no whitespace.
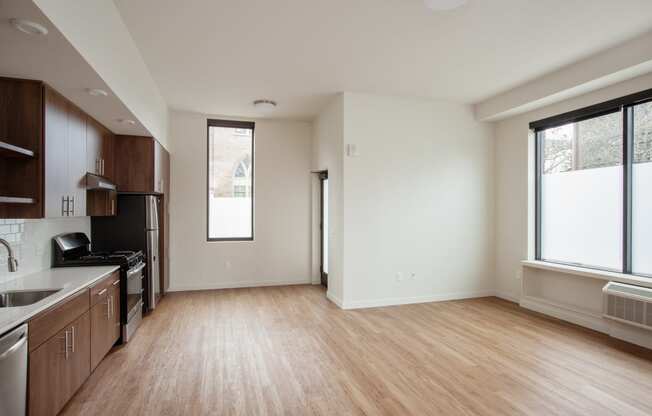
{"x":52,"y":59}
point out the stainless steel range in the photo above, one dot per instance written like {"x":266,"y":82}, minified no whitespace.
{"x":74,"y":250}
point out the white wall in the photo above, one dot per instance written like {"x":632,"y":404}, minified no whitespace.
{"x":95,"y":28}
{"x":512,"y":173}
{"x":419,"y":198}
{"x":280,"y":253}
{"x":31,"y":241}
{"x":328,"y":139}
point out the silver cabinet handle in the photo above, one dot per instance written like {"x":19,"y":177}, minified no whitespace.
{"x":66,"y":347}
{"x":101,"y":292}
{"x":97,"y":165}
{"x":108,"y":308}
{"x":102,"y":167}
{"x":116,"y":282}
{"x":73,"y":339}
{"x":112,"y":207}
{"x":63,"y":201}
{"x":72,"y":199}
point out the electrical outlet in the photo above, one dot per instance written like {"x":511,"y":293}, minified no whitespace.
{"x":413,"y":276}
{"x":399,"y":277}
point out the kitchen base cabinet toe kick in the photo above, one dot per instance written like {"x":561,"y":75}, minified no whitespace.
{"x":67,"y":342}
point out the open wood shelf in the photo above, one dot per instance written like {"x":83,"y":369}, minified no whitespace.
{"x":10,"y":150}
{"x":16,"y":200}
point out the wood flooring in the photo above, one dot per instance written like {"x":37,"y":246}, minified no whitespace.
{"x":289,"y":351}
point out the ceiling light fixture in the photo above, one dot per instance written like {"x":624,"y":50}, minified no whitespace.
{"x":444,"y":5}
{"x":29,"y":27}
{"x":127,"y":121}
{"x":96,"y":92}
{"x":265,"y":106}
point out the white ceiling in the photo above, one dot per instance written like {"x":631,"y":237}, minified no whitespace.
{"x":52,"y":59}
{"x":217,"y":56}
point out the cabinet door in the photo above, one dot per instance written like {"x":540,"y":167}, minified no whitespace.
{"x":59,"y":367}
{"x":158,"y":167}
{"x":134,"y":164}
{"x":115,"y":310}
{"x":47,"y":390}
{"x":101,"y":330}
{"x":56,"y":154}
{"x":101,"y":203}
{"x":107,"y":154}
{"x":93,"y":147}
{"x":77,"y":161}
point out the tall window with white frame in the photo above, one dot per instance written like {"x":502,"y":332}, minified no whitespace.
{"x":230,"y":192}
{"x":594,"y":186}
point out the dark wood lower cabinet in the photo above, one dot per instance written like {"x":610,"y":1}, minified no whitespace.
{"x":68,"y":341}
{"x":105,"y":323}
{"x":59,"y":367}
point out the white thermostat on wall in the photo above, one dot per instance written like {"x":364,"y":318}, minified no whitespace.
{"x":352,"y":150}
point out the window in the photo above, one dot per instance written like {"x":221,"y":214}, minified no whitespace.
{"x":230,"y":180}
{"x":642,"y":190}
{"x":594,"y":186}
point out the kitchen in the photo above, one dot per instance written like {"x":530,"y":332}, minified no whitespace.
{"x":229,"y":207}
{"x":76,"y":168}
{"x":84,"y":220}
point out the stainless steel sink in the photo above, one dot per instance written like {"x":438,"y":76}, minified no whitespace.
{"x":23,"y":298}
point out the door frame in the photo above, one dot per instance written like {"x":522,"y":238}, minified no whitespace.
{"x":323,"y":277}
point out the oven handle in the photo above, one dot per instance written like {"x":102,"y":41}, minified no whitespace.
{"x":135,"y":270}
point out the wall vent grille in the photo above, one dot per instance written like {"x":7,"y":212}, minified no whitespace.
{"x":629,"y":304}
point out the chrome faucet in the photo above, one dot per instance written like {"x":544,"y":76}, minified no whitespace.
{"x":11,"y":260}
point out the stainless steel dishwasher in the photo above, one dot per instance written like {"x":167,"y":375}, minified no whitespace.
{"x":13,"y":372}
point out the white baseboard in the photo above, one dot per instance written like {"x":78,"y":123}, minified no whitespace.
{"x":235,"y":285}
{"x":566,"y":313}
{"x":376,"y":303}
{"x":334,"y":299}
{"x":507,"y":296}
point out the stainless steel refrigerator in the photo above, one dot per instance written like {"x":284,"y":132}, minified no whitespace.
{"x":134,"y":227}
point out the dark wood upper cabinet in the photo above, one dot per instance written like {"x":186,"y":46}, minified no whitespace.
{"x":65,"y":157}
{"x":47,"y":144}
{"x":21,"y":148}
{"x":99,"y":149}
{"x":141,"y":165}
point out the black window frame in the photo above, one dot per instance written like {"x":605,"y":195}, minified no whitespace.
{"x":236,"y":124}
{"x":625,"y":106}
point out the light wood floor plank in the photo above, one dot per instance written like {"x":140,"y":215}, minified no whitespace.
{"x":289,"y":351}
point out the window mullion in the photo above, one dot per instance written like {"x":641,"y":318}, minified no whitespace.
{"x":628,"y":159}
{"x":538,"y":152}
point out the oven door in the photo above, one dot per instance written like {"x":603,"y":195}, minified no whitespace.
{"x":134,"y":299}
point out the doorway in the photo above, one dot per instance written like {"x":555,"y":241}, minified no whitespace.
{"x":323,"y":227}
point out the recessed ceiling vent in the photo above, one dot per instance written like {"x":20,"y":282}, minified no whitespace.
{"x":628,"y":304}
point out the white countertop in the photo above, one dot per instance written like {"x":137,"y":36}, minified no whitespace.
{"x":68,"y":279}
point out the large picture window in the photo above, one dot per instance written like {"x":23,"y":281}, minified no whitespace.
{"x":594,"y":186}
{"x":230,"y":180}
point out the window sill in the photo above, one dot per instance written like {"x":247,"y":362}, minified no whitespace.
{"x":590,"y":273}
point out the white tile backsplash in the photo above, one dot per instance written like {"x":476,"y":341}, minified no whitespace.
{"x":31,"y":241}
